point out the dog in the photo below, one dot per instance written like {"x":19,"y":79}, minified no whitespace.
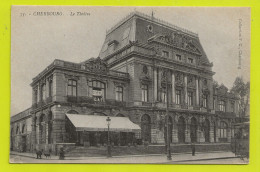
{"x":47,"y":155}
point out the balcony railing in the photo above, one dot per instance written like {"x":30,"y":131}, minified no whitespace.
{"x":90,"y":100}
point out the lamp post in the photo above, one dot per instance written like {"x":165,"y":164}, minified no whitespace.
{"x":169,"y":156}
{"x":108,"y":138}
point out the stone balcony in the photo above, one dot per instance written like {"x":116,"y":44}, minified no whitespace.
{"x":90,"y":100}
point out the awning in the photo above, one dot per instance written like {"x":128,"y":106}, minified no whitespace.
{"x":98,"y":123}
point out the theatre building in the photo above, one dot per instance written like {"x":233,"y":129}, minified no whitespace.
{"x":143,"y":61}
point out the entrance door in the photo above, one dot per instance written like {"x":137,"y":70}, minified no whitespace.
{"x":23,"y":144}
{"x":92,"y":139}
{"x":181,"y":130}
{"x":193,"y":130}
{"x":207,"y":128}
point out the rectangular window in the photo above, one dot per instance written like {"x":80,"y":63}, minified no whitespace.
{"x":165,"y":54}
{"x":222,"y":106}
{"x":190,"y":60}
{"x":43,"y":92}
{"x":72,"y":88}
{"x":98,"y":91}
{"x":164,"y":96}
{"x":178,"y":57}
{"x":145,"y":93}
{"x":178,"y":97}
{"x":50,"y":88}
{"x":205,"y":101}
{"x":119,"y":93}
{"x":232,"y":107}
{"x":190,"y":98}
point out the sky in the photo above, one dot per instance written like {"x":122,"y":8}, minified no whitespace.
{"x":37,"y":40}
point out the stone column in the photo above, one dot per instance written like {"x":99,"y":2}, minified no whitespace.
{"x":197,"y":92}
{"x":173,"y":89}
{"x":155,"y":85}
{"x":185,"y":90}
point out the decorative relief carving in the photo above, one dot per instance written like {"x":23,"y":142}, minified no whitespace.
{"x":96,"y":65}
{"x":177,"y":39}
{"x":179,"y":80}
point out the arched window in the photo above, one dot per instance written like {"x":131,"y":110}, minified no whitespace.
{"x":144,"y":89}
{"x":193,"y":130}
{"x":99,"y":114}
{"x":170,"y":123}
{"x":43,"y":92}
{"x":207,"y":130}
{"x":119,"y":93}
{"x":17,"y":130}
{"x":50,"y":135}
{"x":181,"y":129}
{"x":50,"y":88}
{"x":145,"y":69}
{"x":120,"y":115}
{"x":41,"y":129}
{"x":146,"y":128}
{"x":23,"y":128}
{"x":223,"y":131}
{"x":205,"y":100}
{"x":72,"y":112}
{"x":72,"y":88}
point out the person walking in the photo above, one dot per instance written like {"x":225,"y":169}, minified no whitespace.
{"x":193,"y":149}
{"x":62,"y":154}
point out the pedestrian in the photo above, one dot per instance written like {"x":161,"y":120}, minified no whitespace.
{"x":193,"y":149}
{"x":39,"y":154}
{"x":62,"y":154}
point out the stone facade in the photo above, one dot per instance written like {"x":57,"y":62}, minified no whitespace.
{"x":143,"y":62}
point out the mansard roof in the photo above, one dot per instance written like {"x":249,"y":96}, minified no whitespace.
{"x":135,"y":27}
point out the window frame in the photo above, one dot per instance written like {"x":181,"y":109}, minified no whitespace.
{"x":177,"y":97}
{"x":190,"y":98}
{"x":144,"y":90}
{"x":119,"y":94}
{"x":222,"y":106}
{"x":71,"y":86}
{"x":178,"y":57}
{"x":205,"y":100}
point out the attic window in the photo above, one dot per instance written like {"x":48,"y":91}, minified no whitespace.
{"x":178,"y":57}
{"x":150,"y":28}
{"x":165,"y":54}
{"x":190,"y":60}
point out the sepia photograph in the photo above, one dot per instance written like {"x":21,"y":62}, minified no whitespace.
{"x":130,"y":85}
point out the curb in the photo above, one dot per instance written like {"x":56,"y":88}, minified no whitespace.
{"x":128,"y":156}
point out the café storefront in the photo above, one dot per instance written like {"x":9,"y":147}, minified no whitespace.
{"x":92,"y":130}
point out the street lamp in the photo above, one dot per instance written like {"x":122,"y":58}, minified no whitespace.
{"x":108,"y":138}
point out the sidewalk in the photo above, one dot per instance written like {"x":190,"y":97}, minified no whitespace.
{"x":141,"y":159}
